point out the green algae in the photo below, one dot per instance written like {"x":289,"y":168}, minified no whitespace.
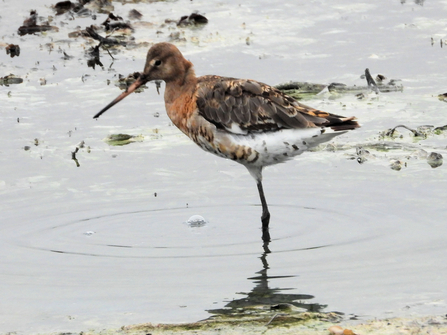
{"x":122,"y":139}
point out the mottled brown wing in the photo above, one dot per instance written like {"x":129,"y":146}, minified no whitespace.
{"x":242,"y":106}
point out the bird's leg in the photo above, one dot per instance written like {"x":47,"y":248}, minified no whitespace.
{"x":265,"y":218}
{"x":256,"y":173}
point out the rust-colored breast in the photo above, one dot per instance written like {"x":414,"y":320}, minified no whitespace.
{"x":181,"y":110}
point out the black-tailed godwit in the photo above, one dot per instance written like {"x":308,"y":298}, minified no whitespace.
{"x":243,"y":120}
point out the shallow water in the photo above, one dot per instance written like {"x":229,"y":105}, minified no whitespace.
{"x":107,"y":243}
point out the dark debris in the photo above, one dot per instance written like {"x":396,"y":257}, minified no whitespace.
{"x":193,"y":19}
{"x":135,"y":15}
{"x":93,"y":57}
{"x":13,"y":50}
{"x":390,"y":132}
{"x":63,"y":7}
{"x":30,"y":25}
{"x":104,"y":41}
{"x":114,"y":22}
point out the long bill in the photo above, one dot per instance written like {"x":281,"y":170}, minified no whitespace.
{"x":137,"y":83}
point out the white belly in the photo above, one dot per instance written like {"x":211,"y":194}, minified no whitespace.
{"x":263,"y":149}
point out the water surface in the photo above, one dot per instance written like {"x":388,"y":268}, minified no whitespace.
{"x":105,"y":243}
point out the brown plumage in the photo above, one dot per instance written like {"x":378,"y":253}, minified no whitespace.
{"x":255,"y":106}
{"x":239,"y":119}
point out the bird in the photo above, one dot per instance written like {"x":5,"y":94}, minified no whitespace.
{"x":243,"y":120}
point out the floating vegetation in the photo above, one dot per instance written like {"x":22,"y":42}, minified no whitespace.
{"x":420,"y":133}
{"x":122,"y":139}
{"x":302,"y":90}
{"x":439,"y":130}
{"x":443,"y":97}
{"x":394,"y":134}
{"x":124,"y":82}
{"x":251,"y":321}
{"x":398,"y":149}
{"x":393,"y":85}
{"x":81,"y":145}
{"x":10,"y":80}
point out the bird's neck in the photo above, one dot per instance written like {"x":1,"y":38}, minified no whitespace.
{"x":184,"y":83}
{"x":180,"y":100}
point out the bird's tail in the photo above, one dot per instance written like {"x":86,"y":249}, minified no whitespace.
{"x":340,"y":123}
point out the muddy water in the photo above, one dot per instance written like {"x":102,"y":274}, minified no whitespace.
{"x":106,"y":243}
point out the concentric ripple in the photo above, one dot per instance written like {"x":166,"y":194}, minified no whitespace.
{"x":164,"y":233}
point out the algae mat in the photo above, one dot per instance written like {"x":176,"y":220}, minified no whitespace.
{"x":303,"y":324}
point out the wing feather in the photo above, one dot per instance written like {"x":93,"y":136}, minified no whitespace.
{"x":251,"y":106}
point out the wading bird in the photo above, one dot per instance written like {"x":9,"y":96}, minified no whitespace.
{"x":243,"y":120}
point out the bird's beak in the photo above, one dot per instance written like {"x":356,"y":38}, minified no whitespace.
{"x":140,"y":81}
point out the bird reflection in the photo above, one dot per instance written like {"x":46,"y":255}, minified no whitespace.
{"x":263,"y":295}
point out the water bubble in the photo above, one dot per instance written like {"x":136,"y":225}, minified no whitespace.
{"x":196,"y":221}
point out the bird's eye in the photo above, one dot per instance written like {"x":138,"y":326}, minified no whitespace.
{"x":157,"y":62}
